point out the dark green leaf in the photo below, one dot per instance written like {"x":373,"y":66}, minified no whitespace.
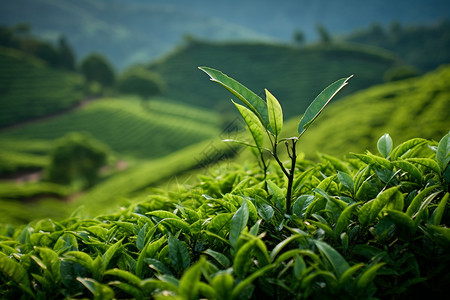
{"x":367,"y":276}
{"x":301,"y":205}
{"x":339,"y":264}
{"x":238,"y":222}
{"x":443,"y":152}
{"x":100,"y":291}
{"x":250,"y":99}
{"x":219,"y":257}
{"x":178,"y":254}
{"x":15,"y":272}
{"x":347,"y":181}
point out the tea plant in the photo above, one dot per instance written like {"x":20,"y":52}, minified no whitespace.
{"x":267,"y":117}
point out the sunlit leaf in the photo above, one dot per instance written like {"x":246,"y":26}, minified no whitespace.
{"x":316,"y":107}
{"x":275,"y":113}
{"x":443,"y":152}
{"x":384,"y":145}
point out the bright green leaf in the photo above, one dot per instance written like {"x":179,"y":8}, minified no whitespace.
{"x":275,"y":113}
{"x":443,"y":152}
{"x":384,"y":145}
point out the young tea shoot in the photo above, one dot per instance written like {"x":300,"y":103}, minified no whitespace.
{"x":265,"y":118}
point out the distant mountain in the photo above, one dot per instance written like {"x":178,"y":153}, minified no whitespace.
{"x":124,"y":32}
{"x":294,"y":75}
{"x":132,"y":31}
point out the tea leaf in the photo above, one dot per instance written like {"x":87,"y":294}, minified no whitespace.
{"x":242,"y":258}
{"x":443,"y":152}
{"x":405,"y":147}
{"x":426,"y":162}
{"x":178,"y":254}
{"x":347,"y":181}
{"x":238,"y":289}
{"x":250,"y":99}
{"x":367,"y":276}
{"x":16,"y":272}
{"x":384,"y":145}
{"x":402,"y":220}
{"x":283,"y":244}
{"x":417,"y":201}
{"x":223,"y":285}
{"x":188,"y":284}
{"x":347,"y":275}
{"x":339,"y":264}
{"x":344,"y":219}
{"x":111,"y":252}
{"x":100,"y":291}
{"x":301,"y":205}
{"x":275,"y":113}
{"x":411,"y":169}
{"x":128,"y":288}
{"x":439,"y":212}
{"x":316,"y":107}
{"x":238,"y":223}
{"x":131,"y":278}
{"x":219,"y":257}
{"x":253,"y":124}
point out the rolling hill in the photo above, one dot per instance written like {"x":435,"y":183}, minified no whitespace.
{"x":416,"y":107}
{"x":128,"y":127}
{"x":26,"y":82}
{"x":294,"y":75}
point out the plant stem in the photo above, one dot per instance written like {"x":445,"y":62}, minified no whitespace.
{"x":293,"y":157}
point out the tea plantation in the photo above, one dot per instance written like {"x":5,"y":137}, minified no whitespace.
{"x":373,"y":226}
{"x":27,"y":82}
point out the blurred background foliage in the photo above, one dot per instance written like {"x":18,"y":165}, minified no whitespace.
{"x":113,"y":86}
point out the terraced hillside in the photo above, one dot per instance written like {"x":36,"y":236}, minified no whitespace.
{"x":127,"y":127}
{"x":28,"y":89}
{"x":295,"y":75}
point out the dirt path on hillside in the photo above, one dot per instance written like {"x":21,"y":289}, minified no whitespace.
{"x":74,"y":107}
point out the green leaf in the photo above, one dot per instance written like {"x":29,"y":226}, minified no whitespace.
{"x":219,"y":257}
{"x":243,"y":258}
{"x":347,"y":275}
{"x":110,"y":253}
{"x":339,"y":264}
{"x":301,"y":205}
{"x":443,"y":152}
{"x":277,"y":192}
{"x":100,"y":291}
{"x":178,"y":254}
{"x":347,"y":181}
{"x":373,"y":159}
{"x":122,"y":274}
{"x":275,"y":113}
{"x":223,"y":285}
{"x":384,"y":145}
{"x":253,"y":124}
{"x":128,"y":288}
{"x":316,"y":107}
{"x":140,"y":241}
{"x":188,"y":284}
{"x":16,"y":272}
{"x":402,"y":220}
{"x":162,"y":214}
{"x":411,"y":169}
{"x":415,"y":204}
{"x":257,"y":105}
{"x":238,"y":289}
{"x":299,"y":267}
{"x":265,"y":211}
{"x":367,"y":276}
{"x":439,"y":212}
{"x":238,"y":223}
{"x":344,"y":219}
{"x":406,"y":147}
{"x":81,"y":258}
{"x":426,"y":162}
{"x":283,"y":244}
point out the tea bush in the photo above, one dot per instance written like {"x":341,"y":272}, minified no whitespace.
{"x":372,"y":226}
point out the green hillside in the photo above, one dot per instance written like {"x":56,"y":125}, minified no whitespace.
{"x":29,"y":89}
{"x":128,"y":127}
{"x":417,"y":107}
{"x":295,"y":75}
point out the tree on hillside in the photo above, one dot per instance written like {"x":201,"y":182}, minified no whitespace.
{"x":142,"y":82}
{"x":299,"y":37}
{"x":76,"y":158}
{"x":66,"y":56}
{"x":97,"y":69}
{"x":324,"y":35}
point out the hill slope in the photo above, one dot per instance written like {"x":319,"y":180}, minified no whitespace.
{"x":29,"y":89}
{"x":417,"y":107}
{"x":294,"y":75}
{"x":127,"y":127}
